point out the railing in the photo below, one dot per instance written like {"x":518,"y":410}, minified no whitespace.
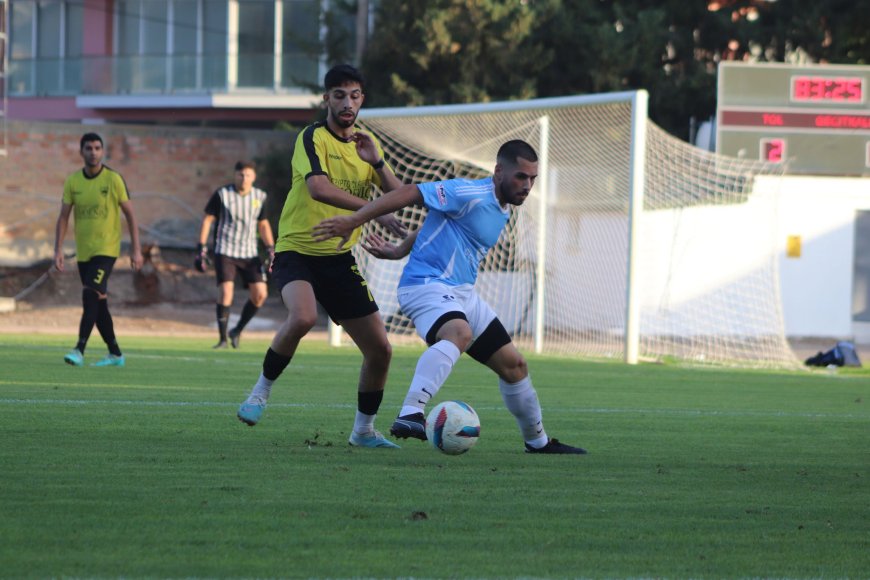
{"x":161,"y":74}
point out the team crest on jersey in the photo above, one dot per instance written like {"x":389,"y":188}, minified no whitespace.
{"x":256,"y":203}
{"x":441,"y":194}
{"x":104,"y":190}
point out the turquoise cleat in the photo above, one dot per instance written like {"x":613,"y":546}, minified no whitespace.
{"x":372,"y":439}
{"x":74,"y":358}
{"x":251,"y":411}
{"x":110,"y":360}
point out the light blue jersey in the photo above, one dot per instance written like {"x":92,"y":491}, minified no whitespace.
{"x":464,"y":221}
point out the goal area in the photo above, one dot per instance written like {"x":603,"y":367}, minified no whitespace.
{"x":633,"y":245}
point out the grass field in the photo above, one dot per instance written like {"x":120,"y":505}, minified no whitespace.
{"x":145,"y":472}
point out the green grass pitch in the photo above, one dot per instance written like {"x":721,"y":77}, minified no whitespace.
{"x":145,"y":472}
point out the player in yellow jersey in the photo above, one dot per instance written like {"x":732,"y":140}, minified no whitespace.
{"x":97,"y":196}
{"x":335,"y":164}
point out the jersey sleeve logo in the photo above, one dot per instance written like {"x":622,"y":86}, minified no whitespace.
{"x":441,"y":194}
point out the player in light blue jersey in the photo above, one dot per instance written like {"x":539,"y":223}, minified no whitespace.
{"x":465,"y":219}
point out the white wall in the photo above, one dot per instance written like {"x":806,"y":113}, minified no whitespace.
{"x":817,"y":286}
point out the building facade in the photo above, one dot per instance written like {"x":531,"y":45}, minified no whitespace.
{"x":212,"y":62}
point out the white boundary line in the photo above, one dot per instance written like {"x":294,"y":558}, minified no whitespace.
{"x":570,"y":411}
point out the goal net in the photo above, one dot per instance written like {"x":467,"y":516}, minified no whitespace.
{"x":633,"y":244}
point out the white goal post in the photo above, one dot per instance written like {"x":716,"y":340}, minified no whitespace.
{"x":633,"y":245}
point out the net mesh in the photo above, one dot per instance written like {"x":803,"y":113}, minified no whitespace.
{"x":707,"y":265}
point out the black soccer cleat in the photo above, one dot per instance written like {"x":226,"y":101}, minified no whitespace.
{"x":406,"y":426}
{"x":556,"y":446}
{"x":234,"y":336}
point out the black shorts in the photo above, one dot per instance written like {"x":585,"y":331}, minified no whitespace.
{"x":95,"y":272}
{"x":337,"y":282}
{"x":250,"y":269}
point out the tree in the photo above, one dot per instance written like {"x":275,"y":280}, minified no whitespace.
{"x":452,"y":51}
{"x":461,"y":51}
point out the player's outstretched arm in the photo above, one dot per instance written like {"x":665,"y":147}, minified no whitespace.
{"x":343,"y":226}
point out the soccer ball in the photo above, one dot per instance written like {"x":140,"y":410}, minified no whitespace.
{"x":453,"y":427}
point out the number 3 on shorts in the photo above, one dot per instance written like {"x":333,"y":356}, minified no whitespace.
{"x":99,"y":277}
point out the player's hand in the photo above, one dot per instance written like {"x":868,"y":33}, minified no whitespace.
{"x":393,"y":225}
{"x":380,"y":248}
{"x":270,"y":258}
{"x":58,"y":261}
{"x":136,"y":259}
{"x":341,"y":226}
{"x":201,"y":260}
{"x":366,"y":148}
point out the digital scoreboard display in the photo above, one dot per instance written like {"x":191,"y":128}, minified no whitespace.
{"x":816,"y":119}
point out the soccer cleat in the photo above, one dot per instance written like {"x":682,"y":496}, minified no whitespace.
{"x":251,"y":411}
{"x":234,"y":336}
{"x":372,"y":439}
{"x":555,"y":446}
{"x":74,"y":358}
{"x":413,"y":425}
{"x":221,"y":344}
{"x":110,"y":360}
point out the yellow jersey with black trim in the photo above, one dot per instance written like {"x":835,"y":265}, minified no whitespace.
{"x":319,"y":151}
{"x":96,"y":205}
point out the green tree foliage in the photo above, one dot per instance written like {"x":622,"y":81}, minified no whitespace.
{"x":453,"y":51}
{"x":459,"y":51}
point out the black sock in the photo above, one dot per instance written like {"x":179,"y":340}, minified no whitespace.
{"x":274,"y":364}
{"x":369,"y":402}
{"x":248,"y":312}
{"x":223,"y":318}
{"x":90,"y":308}
{"x":106,"y":326}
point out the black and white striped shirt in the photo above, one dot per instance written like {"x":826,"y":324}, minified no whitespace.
{"x":235,"y":233}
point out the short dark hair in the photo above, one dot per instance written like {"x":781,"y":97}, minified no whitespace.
{"x":87,"y":138}
{"x":512,"y":150}
{"x":342,"y":74}
{"x":245,"y":165}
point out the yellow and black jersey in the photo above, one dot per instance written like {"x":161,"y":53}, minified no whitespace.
{"x":319,"y":151}
{"x":96,"y":205}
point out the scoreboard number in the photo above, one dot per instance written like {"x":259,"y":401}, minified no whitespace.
{"x":772,"y":150}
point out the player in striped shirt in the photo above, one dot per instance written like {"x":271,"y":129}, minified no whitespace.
{"x":464,"y":220}
{"x":237,"y":211}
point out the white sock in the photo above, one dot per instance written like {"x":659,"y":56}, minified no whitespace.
{"x":262,"y":389}
{"x":363,"y":423}
{"x":433,"y":368}
{"x":521,"y":399}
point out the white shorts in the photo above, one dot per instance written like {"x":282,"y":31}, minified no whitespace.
{"x":426,"y":303}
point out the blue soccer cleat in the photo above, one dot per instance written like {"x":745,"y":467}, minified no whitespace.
{"x":251,"y":411}
{"x":372,"y":439}
{"x":110,"y":360}
{"x":74,"y":358}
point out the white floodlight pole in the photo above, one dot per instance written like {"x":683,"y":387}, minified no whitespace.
{"x":635,"y":210}
{"x":543,"y":200}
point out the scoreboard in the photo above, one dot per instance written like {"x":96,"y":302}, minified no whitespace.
{"x":815,"y":118}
